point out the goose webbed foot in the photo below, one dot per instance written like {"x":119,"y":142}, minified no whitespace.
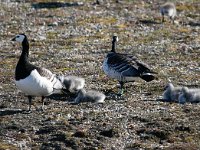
{"x":29,"y":107}
{"x":27,"y":111}
{"x":42,"y":107}
{"x":120,"y":95}
{"x":120,"y":92}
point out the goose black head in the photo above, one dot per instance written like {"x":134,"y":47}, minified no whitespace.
{"x":19,"y":38}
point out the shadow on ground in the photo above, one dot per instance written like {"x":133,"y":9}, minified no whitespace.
{"x":145,"y":21}
{"x":5,"y":112}
{"x":42,"y":5}
{"x":62,"y":97}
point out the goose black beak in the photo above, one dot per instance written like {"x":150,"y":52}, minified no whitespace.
{"x":13,"y":39}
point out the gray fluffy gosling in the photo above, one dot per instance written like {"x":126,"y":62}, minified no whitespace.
{"x":168,"y":9}
{"x":72,"y":83}
{"x":171,"y":93}
{"x":189,"y":95}
{"x":90,"y":96}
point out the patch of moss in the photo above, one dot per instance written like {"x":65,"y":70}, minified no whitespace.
{"x":186,"y":7}
{"x":6,"y":146}
{"x":77,"y":39}
{"x":52,"y":35}
{"x":97,"y":19}
{"x":153,"y":36}
{"x":192,"y":15}
{"x":121,"y":26}
{"x":65,"y":69}
{"x":37,"y":43}
{"x":184,"y":30}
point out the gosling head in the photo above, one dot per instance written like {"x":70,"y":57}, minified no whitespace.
{"x":169,"y":86}
{"x":185,"y":90}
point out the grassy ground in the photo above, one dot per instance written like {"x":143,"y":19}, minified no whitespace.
{"x":72,"y":38}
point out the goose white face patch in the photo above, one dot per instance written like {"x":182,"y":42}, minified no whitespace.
{"x":35,"y":85}
{"x":117,"y":39}
{"x":19,"y":38}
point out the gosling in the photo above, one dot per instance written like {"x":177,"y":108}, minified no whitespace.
{"x":168,"y":9}
{"x":189,"y":95}
{"x":89,"y":96}
{"x":171,"y":93}
{"x":72,"y":83}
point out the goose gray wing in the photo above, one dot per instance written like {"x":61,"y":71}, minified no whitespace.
{"x":143,"y":67}
{"x":45,"y":73}
{"x":123,"y":64}
{"x":57,"y":85}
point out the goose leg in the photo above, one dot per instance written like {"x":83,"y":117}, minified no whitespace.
{"x":121,"y":91}
{"x":30,"y":102}
{"x":172,"y":19}
{"x":42,"y":108}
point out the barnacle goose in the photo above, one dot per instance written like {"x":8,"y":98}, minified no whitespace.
{"x":72,"y":83}
{"x":168,"y":9}
{"x":90,"y":96}
{"x":171,"y":93}
{"x":125,"y":68}
{"x":33,"y":80}
{"x":189,"y":95}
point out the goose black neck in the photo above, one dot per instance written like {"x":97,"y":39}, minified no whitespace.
{"x":24,"y":68}
{"x":114,"y":44}
{"x":25,"y":48}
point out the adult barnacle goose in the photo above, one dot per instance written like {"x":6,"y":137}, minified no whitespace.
{"x":125,"y":68}
{"x":168,"y":9}
{"x":33,"y":80}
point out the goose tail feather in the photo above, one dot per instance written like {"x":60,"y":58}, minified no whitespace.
{"x":148,"y":76}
